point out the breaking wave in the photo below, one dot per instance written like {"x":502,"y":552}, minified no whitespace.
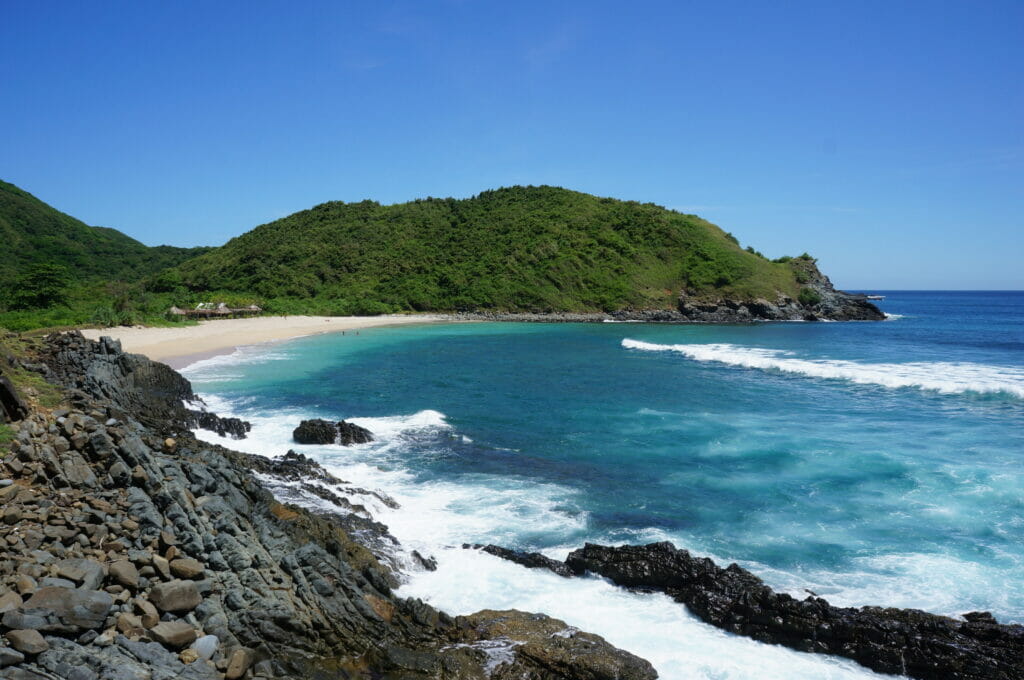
{"x":939,"y":376}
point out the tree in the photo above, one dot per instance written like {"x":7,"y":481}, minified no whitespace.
{"x":42,"y":285}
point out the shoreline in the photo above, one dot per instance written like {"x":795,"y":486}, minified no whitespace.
{"x":179,"y":346}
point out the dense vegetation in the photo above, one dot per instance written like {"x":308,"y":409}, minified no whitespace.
{"x":514,"y":249}
{"x":520,"y":248}
{"x":59,"y":271}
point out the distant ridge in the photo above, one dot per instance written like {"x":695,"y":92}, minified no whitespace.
{"x":33,"y":232}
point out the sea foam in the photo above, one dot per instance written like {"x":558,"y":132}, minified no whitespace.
{"x":938,"y":376}
{"x":436,"y":516}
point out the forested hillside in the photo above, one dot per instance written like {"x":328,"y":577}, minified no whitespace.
{"x":519,"y":248}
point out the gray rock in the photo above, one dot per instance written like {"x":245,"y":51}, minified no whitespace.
{"x":61,"y":610}
{"x":27,"y":641}
{"x":125,"y":573}
{"x":187,"y":568}
{"x":9,"y":657}
{"x":238,"y":663}
{"x":173,"y":634}
{"x":175,"y":596}
{"x":206,"y":646}
{"x":89,"y":574}
{"x":9,"y":600}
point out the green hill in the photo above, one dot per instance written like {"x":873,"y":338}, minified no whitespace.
{"x":514,"y":249}
{"x":56,"y":270}
{"x":35,"y":233}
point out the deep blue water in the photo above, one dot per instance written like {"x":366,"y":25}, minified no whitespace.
{"x":874,"y":463}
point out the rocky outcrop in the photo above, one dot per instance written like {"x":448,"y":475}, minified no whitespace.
{"x":899,"y":641}
{"x":153,"y":393}
{"x":129,"y":555}
{"x":531,"y":560}
{"x":818,"y":301}
{"x":320,"y":431}
{"x":12,"y":406}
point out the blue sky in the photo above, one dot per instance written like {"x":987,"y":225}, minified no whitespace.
{"x":886,"y":138}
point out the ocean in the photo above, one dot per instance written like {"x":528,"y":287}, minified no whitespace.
{"x":873,"y":463}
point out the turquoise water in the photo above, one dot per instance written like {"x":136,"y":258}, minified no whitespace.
{"x":873,"y":463}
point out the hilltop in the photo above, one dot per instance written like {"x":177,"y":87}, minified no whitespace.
{"x":518,"y":249}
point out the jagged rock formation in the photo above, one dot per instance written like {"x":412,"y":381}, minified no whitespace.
{"x":126,"y":554}
{"x":819,"y":300}
{"x":155,"y":393}
{"x":900,"y":641}
{"x":12,"y":407}
{"x":320,"y":431}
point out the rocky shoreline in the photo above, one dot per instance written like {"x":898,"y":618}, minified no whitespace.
{"x":129,"y":550}
{"x":822,"y":302}
{"x":898,"y":641}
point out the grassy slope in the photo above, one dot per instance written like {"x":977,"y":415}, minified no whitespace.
{"x":520,"y":248}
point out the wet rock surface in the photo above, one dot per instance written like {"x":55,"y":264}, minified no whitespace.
{"x":532,"y":560}
{"x":898,"y":641}
{"x":320,"y":431}
{"x":129,"y":550}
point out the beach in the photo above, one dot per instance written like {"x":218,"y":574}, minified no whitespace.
{"x":179,"y":346}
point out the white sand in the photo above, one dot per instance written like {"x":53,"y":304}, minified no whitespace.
{"x":179,"y":345}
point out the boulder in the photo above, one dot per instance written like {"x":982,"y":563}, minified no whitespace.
{"x":349,"y":434}
{"x":175,"y":596}
{"x":125,"y":573}
{"x":65,"y":610}
{"x":238,"y":663}
{"x":88,"y":574}
{"x":173,"y":634}
{"x":206,"y":646}
{"x":535,"y":645}
{"x":9,"y":600}
{"x":320,"y":431}
{"x":187,"y":568}
{"x":27,"y":641}
{"x":10,"y":657}
{"x":315,"y":432}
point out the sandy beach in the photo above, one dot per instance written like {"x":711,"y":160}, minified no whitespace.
{"x":182,"y":345}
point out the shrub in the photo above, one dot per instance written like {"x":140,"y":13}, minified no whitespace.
{"x":809,"y":297}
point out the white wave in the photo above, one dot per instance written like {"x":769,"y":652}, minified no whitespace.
{"x":220,"y":367}
{"x":939,"y":376}
{"x":652,"y":626}
{"x":436,"y":516}
{"x":892,"y":317}
{"x":941,"y":584}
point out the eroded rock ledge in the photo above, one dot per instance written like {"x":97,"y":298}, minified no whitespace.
{"x":899,"y":641}
{"x":131,"y":551}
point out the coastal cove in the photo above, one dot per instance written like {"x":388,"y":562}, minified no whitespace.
{"x":873,"y":464}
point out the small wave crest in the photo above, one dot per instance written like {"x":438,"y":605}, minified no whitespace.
{"x":939,"y":376}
